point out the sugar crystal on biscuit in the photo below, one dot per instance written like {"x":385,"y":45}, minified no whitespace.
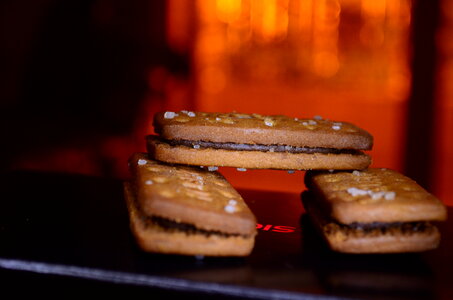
{"x":232,"y":202}
{"x":191,"y":114}
{"x":230,"y":208}
{"x":376,"y":195}
{"x":169,"y":115}
{"x":390,"y":196}
{"x":241,"y":169}
{"x":336,"y":127}
{"x":148,"y":182}
{"x":357,"y":192}
{"x":269,"y":122}
{"x":142,"y":162}
{"x":212,"y":168}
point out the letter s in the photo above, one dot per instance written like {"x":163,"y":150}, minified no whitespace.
{"x":285,"y":229}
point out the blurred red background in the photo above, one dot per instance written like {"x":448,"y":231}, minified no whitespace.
{"x":81,"y":81}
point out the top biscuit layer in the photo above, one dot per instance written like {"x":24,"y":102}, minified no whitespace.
{"x":374,"y":195}
{"x":258,"y":129}
{"x":189,"y":195}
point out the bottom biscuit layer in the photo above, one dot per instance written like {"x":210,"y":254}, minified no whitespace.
{"x":256,"y":159}
{"x":372,"y":237}
{"x":156,"y":236}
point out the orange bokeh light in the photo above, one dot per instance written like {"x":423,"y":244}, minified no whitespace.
{"x":346,"y":60}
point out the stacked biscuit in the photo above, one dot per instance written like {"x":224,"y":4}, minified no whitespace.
{"x":177,"y":207}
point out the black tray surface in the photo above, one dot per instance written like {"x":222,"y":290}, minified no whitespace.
{"x":59,"y":227}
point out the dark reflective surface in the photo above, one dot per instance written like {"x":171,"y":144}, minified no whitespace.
{"x":73,"y":230}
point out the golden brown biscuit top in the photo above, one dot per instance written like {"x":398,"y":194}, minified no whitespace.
{"x":256,"y":128}
{"x":191,"y":195}
{"x":375,"y":195}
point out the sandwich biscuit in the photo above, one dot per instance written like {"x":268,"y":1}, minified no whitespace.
{"x":258,"y":142}
{"x":372,"y":211}
{"x":186,"y":210}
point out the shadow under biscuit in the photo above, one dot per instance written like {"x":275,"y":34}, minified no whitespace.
{"x":366,"y":276}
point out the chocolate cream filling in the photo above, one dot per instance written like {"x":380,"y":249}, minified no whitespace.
{"x":259,"y":147}
{"x":331,"y":226}
{"x":379,"y":228}
{"x":187,"y":228}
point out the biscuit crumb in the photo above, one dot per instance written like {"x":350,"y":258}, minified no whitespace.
{"x":258,"y":116}
{"x":226,"y":193}
{"x":160,"y":179}
{"x":169,"y":115}
{"x":242,"y":116}
{"x":228,"y":121}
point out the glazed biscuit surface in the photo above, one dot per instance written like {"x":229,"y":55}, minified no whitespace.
{"x":374,"y":195}
{"x":260,"y":129}
{"x":392,"y":238}
{"x":189,"y":195}
{"x":154,"y":238}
